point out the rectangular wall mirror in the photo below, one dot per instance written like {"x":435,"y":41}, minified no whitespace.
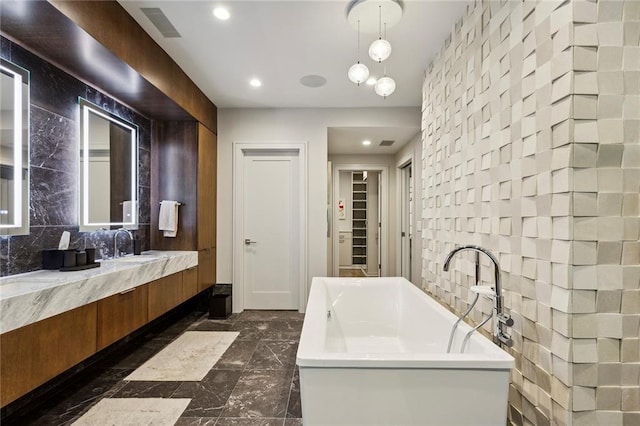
{"x":14,"y":149}
{"x":108,"y":169}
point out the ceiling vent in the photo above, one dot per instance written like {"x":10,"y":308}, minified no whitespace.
{"x":387,"y":142}
{"x":161,"y":22}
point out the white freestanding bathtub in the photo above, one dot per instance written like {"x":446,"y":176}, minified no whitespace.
{"x":373,"y":352}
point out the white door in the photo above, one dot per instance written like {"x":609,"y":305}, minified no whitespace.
{"x":270,"y":230}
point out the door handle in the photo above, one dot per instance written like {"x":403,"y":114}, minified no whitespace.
{"x":247,"y":241}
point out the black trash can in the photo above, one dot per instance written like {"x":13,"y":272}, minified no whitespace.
{"x":220,"y":306}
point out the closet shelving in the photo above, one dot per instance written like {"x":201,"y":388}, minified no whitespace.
{"x":359,"y":218}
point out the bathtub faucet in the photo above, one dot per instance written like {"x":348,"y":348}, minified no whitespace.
{"x":500,"y":336}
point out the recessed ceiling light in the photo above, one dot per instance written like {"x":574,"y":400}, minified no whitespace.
{"x":366,"y":142}
{"x":221,"y":13}
{"x":371,"y":81}
{"x":255,"y":82}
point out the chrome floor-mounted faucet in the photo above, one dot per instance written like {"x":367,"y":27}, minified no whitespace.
{"x":503,"y":320}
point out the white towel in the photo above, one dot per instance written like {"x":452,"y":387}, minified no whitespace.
{"x":168,"y":221}
{"x":129,"y":213}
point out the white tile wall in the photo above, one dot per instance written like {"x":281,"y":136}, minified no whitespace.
{"x":531,"y":148}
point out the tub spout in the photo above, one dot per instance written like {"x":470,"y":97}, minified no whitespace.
{"x":503,"y":320}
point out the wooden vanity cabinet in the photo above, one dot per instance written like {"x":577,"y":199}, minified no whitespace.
{"x":36,"y":353}
{"x":164,"y":294}
{"x":189,"y":283}
{"x":206,"y":268}
{"x":33,"y":354}
{"x":121,"y":314}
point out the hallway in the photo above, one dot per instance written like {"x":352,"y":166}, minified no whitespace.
{"x":255,"y":382}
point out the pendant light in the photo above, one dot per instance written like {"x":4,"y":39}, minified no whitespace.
{"x":358,"y":73}
{"x":381,"y":48}
{"x":385,"y":86}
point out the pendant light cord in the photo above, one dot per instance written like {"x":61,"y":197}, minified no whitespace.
{"x":380,"y":22}
{"x":358,"y":51}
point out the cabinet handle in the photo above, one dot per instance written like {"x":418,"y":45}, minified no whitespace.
{"x":127,"y":291}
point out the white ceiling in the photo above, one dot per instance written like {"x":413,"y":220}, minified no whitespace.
{"x":280,"y":42}
{"x":348,"y":140}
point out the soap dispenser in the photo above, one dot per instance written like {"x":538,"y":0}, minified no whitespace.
{"x":136,"y":244}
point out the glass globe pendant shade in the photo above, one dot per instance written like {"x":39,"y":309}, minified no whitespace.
{"x":358,"y":73}
{"x":380,"y":50}
{"x":385,"y":86}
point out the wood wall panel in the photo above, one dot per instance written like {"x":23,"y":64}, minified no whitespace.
{"x":207,"y":169}
{"x":41,"y":28}
{"x":135,"y":47}
{"x":173,"y":170}
{"x":33,"y":354}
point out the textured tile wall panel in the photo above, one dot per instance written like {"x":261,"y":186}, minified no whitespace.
{"x":531,"y":148}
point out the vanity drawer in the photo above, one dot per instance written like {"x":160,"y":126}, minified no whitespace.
{"x":164,"y":294}
{"x":38,"y":352}
{"x":120,"y":314}
{"x":189,"y":283}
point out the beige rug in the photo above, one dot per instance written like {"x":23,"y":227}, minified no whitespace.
{"x":188,"y":358}
{"x":134,"y":412}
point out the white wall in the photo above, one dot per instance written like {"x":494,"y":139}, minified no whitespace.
{"x":294,"y":125}
{"x":345,"y":195}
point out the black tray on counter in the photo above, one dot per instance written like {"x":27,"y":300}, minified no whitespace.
{"x":80,"y":267}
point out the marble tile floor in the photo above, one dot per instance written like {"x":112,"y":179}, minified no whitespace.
{"x":254,"y":383}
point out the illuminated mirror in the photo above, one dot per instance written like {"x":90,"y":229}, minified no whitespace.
{"x":108,"y":168}
{"x":14,"y":149}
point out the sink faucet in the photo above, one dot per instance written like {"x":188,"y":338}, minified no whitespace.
{"x":503,"y":320}
{"x":116,"y":252}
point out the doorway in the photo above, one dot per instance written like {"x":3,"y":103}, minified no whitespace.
{"x":269,"y":237}
{"x":359,"y":221}
{"x":406,"y":220}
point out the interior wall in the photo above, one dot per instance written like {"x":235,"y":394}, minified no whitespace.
{"x":604,"y":280}
{"x":531,"y":136}
{"x":291,"y":124}
{"x":345,"y":195}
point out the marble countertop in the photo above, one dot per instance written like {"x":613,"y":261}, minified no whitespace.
{"x":34,"y":296}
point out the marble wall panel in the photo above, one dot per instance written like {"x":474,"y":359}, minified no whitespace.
{"x":25,"y":251}
{"x":54,"y":142}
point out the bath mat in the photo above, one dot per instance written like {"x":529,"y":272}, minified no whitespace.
{"x":134,"y":412}
{"x":188,"y":358}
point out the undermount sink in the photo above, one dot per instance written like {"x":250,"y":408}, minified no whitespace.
{"x":134,"y":259}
